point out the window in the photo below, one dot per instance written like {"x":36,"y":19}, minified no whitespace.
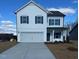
{"x":54,"y":21}
{"x":51,"y":21}
{"x":57,"y":35}
{"x":24,"y":19}
{"x":57,"y":21}
{"x":38,"y":19}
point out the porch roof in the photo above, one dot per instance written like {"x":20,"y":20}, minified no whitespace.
{"x":63,"y":28}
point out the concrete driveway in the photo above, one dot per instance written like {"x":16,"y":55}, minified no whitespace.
{"x":28,"y":51}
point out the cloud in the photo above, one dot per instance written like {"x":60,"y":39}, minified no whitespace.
{"x":7,"y":27}
{"x":8,"y":24}
{"x":75,"y":1}
{"x":7,"y":21}
{"x":63,"y":10}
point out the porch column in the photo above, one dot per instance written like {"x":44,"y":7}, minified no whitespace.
{"x":53,"y":36}
{"x":65,"y":35}
{"x":18,"y":37}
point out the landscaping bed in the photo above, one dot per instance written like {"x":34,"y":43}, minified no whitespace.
{"x":64,"y":50}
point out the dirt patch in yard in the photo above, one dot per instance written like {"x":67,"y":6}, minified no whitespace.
{"x":64,"y":50}
{"x":6,"y":45}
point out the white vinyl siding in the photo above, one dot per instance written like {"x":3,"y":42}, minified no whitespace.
{"x":31,"y":10}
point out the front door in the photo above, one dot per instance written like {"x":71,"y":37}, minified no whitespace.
{"x":48,"y":36}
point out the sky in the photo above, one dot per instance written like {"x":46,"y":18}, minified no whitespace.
{"x":8,"y":7}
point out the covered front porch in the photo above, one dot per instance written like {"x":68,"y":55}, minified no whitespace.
{"x":56,"y":34}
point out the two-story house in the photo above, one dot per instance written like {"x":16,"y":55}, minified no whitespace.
{"x":36,"y":24}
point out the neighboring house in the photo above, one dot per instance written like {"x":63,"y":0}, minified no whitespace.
{"x":5,"y":36}
{"x":73,"y":34}
{"x":36,"y":24}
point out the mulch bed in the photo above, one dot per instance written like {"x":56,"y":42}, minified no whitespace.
{"x":63,"y":50}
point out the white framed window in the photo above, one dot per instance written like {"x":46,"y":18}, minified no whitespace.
{"x":38,"y":19}
{"x":54,"y":21}
{"x":51,"y":21}
{"x":57,"y":21}
{"x":24,"y":19}
{"x":57,"y":35}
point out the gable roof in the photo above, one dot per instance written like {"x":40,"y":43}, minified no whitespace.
{"x":49,"y":13}
{"x":55,"y":13}
{"x":30,"y":3}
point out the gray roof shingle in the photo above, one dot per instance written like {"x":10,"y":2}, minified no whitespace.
{"x":55,"y":13}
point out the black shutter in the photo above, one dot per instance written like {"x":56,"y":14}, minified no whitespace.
{"x":21,"y":19}
{"x":27,"y":19}
{"x":35,"y":19}
{"x":42,"y":19}
{"x":59,"y":21}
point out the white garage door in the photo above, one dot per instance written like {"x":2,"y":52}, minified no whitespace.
{"x":32,"y":37}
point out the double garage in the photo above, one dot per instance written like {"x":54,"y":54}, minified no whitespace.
{"x":32,"y":37}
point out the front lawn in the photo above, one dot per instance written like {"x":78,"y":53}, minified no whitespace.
{"x":64,"y":50}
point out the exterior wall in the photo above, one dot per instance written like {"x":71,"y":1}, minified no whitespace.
{"x":63,"y":32}
{"x":61,"y":22}
{"x":32,"y":11}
